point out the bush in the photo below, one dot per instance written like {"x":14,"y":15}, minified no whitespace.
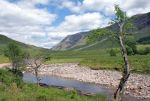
{"x":131,"y":45}
{"x":147,"y":50}
{"x":8,"y":77}
{"x":129,"y":50}
{"x":112,"y":52}
{"x":144,"y":51}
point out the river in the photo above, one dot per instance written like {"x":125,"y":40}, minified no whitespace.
{"x":78,"y":85}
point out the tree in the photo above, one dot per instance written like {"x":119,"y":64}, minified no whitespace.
{"x":35,"y":63}
{"x":123,"y":27}
{"x":15,"y":55}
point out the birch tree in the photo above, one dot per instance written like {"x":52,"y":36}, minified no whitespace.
{"x":123,"y":27}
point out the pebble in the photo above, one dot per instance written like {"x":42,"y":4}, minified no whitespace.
{"x":138,"y":85}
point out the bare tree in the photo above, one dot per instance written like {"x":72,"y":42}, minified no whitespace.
{"x":34,"y":64}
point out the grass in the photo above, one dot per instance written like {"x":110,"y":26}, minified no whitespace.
{"x":100,"y":59}
{"x":3,"y":59}
{"x":11,"y":90}
{"x":71,"y":60}
{"x":138,"y":63}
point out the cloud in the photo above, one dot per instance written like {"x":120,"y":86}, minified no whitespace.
{"x":23,"y":20}
{"x":107,"y":6}
{"x":77,"y":23}
{"x":136,"y":6}
{"x":83,"y":22}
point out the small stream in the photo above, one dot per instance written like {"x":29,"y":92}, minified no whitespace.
{"x":78,"y":85}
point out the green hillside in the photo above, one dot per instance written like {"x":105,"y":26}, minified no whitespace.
{"x":4,"y":41}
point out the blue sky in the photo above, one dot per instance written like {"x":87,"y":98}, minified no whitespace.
{"x":45,"y":23}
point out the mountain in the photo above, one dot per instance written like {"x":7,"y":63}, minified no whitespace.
{"x":78,"y":41}
{"x":72,"y":41}
{"x":4,"y":41}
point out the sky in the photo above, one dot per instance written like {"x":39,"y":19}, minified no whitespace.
{"x":45,"y":23}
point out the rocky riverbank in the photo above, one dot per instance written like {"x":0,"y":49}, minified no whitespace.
{"x":138,"y":85}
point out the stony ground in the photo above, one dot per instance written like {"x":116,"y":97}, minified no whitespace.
{"x":138,"y":85}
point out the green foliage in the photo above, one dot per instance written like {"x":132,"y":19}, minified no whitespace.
{"x":144,"y":51}
{"x":147,"y":50}
{"x":8,"y":77}
{"x":130,"y":45}
{"x":15,"y":55}
{"x":12,"y":51}
{"x":112,"y":52}
{"x":129,"y":50}
{"x":120,"y":15}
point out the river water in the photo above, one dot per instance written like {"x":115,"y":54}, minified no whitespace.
{"x":78,"y":85}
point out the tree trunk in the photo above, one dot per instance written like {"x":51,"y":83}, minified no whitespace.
{"x":126,"y":72}
{"x":36,"y":74}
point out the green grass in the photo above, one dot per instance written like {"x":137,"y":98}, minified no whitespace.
{"x":3,"y":59}
{"x":11,"y":90}
{"x":100,"y":59}
{"x":138,"y":63}
{"x":71,"y":60}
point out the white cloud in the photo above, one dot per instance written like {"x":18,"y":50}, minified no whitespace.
{"x":81,"y":22}
{"x":136,"y":6}
{"x":107,"y":6}
{"x":23,"y":20}
{"x":75,"y":7}
{"x":77,"y":23}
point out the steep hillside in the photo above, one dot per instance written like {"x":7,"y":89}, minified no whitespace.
{"x":4,"y":41}
{"x":72,"y":41}
{"x":78,"y":41}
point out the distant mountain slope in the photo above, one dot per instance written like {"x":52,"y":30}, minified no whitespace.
{"x":72,"y":41}
{"x":78,"y":41}
{"x":4,"y":41}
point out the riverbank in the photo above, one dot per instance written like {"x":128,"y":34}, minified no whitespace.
{"x":13,"y":88}
{"x":137,"y":86}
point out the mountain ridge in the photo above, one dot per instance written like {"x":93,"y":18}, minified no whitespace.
{"x":141,"y":22}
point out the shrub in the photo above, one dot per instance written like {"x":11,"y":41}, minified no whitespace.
{"x":147,"y":50}
{"x":7,"y":77}
{"x":129,"y":50}
{"x":144,"y":51}
{"x":112,"y":52}
{"x":131,"y":45}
